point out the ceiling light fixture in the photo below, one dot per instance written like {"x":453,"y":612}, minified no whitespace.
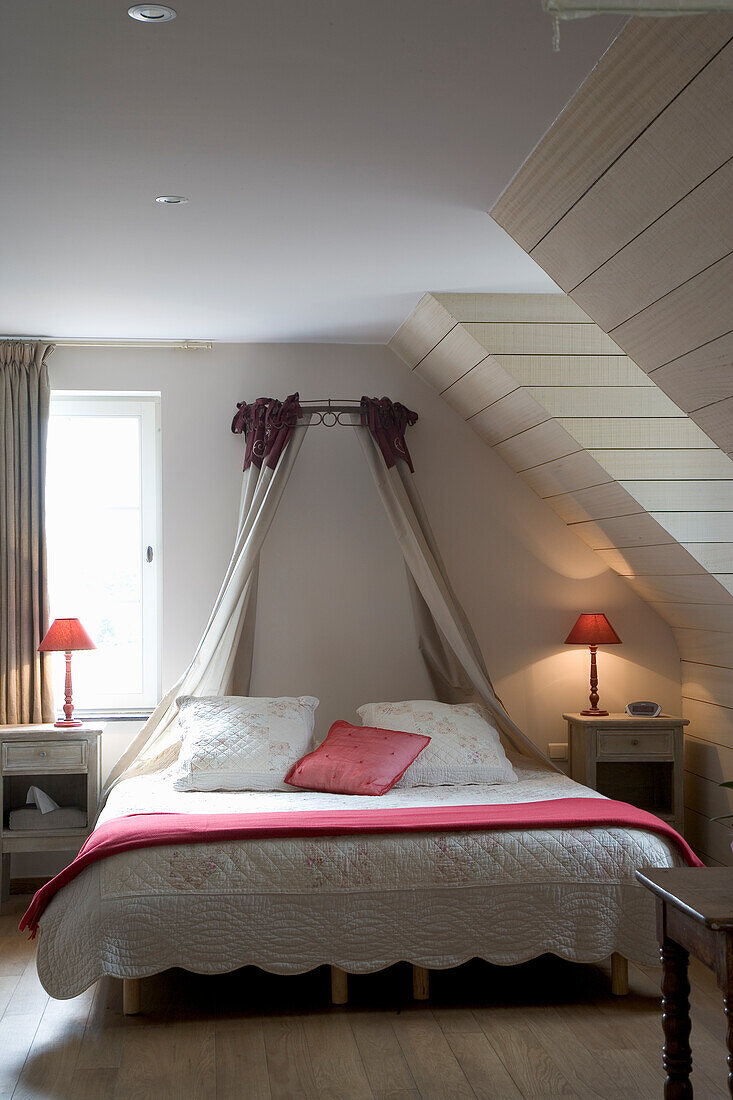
{"x":151,"y":13}
{"x":171,"y":200}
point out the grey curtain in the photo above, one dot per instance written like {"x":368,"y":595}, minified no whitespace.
{"x":25,"y":687}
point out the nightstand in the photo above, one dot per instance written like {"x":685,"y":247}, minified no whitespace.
{"x":636,"y":760}
{"x":66,"y":765}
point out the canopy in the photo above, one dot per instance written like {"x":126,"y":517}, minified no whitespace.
{"x":274,"y":433}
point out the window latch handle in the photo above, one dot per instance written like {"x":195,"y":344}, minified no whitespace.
{"x":149,"y":554}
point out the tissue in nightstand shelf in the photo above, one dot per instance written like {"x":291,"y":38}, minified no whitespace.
{"x":43,"y":801}
{"x":44,"y":813}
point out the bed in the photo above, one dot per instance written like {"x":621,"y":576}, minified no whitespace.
{"x":356,"y":903}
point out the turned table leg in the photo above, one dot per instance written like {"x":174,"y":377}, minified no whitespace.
{"x":676,"y":1053}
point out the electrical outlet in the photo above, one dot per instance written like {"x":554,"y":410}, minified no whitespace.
{"x":557,"y":750}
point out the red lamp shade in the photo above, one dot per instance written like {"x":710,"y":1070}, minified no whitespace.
{"x":65,"y":636}
{"x":592,"y":628}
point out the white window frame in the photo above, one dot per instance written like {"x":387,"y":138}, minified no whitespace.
{"x":146,"y":406}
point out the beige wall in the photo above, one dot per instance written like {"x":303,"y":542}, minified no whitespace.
{"x":334,"y":617}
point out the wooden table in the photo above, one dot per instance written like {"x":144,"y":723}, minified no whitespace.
{"x":694,"y":915}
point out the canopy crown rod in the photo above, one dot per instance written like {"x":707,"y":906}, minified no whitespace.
{"x":334,"y":409}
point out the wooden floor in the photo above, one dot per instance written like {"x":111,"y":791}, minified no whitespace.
{"x":544,"y":1029}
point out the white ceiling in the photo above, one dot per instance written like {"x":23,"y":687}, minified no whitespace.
{"x":339,"y":157}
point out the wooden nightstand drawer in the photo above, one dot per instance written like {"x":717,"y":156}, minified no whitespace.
{"x":615,"y":743}
{"x":43,"y":756}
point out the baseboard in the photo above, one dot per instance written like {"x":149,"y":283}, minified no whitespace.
{"x":26,"y":885}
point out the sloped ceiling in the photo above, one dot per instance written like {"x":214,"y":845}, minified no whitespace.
{"x":642,"y":241}
{"x":620,"y":463}
{"x":639,"y":231}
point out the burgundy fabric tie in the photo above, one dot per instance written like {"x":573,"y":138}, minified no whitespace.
{"x":268,"y":425}
{"x":387,"y":421}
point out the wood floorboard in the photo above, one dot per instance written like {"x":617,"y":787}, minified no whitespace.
{"x":17,"y":1033}
{"x":337,"y":1065}
{"x":433,"y":1064}
{"x":386,"y":1069}
{"x":543,"y":1029}
{"x":7,"y":988}
{"x":486,"y":1073}
{"x":241,"y":1057}
{"x":288,"y":1060}
{"x":529,"y":1062}
{"x":104,"y":1035}
{"x":52,"y":1059}
{"x":588,"y":1072}
{"x":93,"y":1084}
{"x":173,"y":1062}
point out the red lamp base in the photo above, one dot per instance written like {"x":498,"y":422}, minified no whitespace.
{"x":595,"y":713}
{"x":67,"y":722}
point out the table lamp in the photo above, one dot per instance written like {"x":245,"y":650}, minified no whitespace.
{"x":593,"y":629}
{"x":65,"y":636}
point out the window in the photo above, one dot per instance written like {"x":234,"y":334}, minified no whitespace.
{"x":102,"y":521}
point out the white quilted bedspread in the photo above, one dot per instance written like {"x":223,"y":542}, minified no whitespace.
{"x":359,"y":902}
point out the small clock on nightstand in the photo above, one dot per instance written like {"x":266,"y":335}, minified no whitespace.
{"x":632,"y":759}
{"x":64,"y":764}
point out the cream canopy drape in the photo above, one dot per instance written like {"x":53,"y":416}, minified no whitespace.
{"x":446,"y":640}
{"x":25,"y":686}
{"x":228,"y":638}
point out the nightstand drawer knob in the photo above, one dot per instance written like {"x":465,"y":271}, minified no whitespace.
{"x":42,"y":753}
{"x":635,"y":741}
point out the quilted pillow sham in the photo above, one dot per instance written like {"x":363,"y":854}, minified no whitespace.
{"x":357,"y":760}
{"x":236,"y":743}
{"x":464,"y":748}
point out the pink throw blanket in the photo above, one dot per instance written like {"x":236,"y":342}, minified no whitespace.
{"x":147,"y":830}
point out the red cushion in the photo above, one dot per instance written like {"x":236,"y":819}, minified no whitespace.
{"x":357,"y":760}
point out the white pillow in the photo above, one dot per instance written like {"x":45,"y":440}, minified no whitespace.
{"x":464,"y":747}
{"x":235,"y":743}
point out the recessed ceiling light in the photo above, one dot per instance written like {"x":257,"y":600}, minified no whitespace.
{"x":151,"y":13}
{"x":171,"y":200}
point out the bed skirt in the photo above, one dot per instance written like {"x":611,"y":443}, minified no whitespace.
{"x":358,"y":933}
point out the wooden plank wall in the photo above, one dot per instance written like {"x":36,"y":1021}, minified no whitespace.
{"x":621,"y":464}
{"x":640,"y":236}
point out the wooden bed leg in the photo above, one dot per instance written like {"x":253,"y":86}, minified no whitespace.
{"x":339,"y":986}
{"x":420,"y":983}
{"x":130,"y":996}
{"x":619,"y":975}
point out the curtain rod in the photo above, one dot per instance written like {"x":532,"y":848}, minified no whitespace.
{"x":178,"y":345}
{"x":343,"y":405}
{"x":323,"y":408}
